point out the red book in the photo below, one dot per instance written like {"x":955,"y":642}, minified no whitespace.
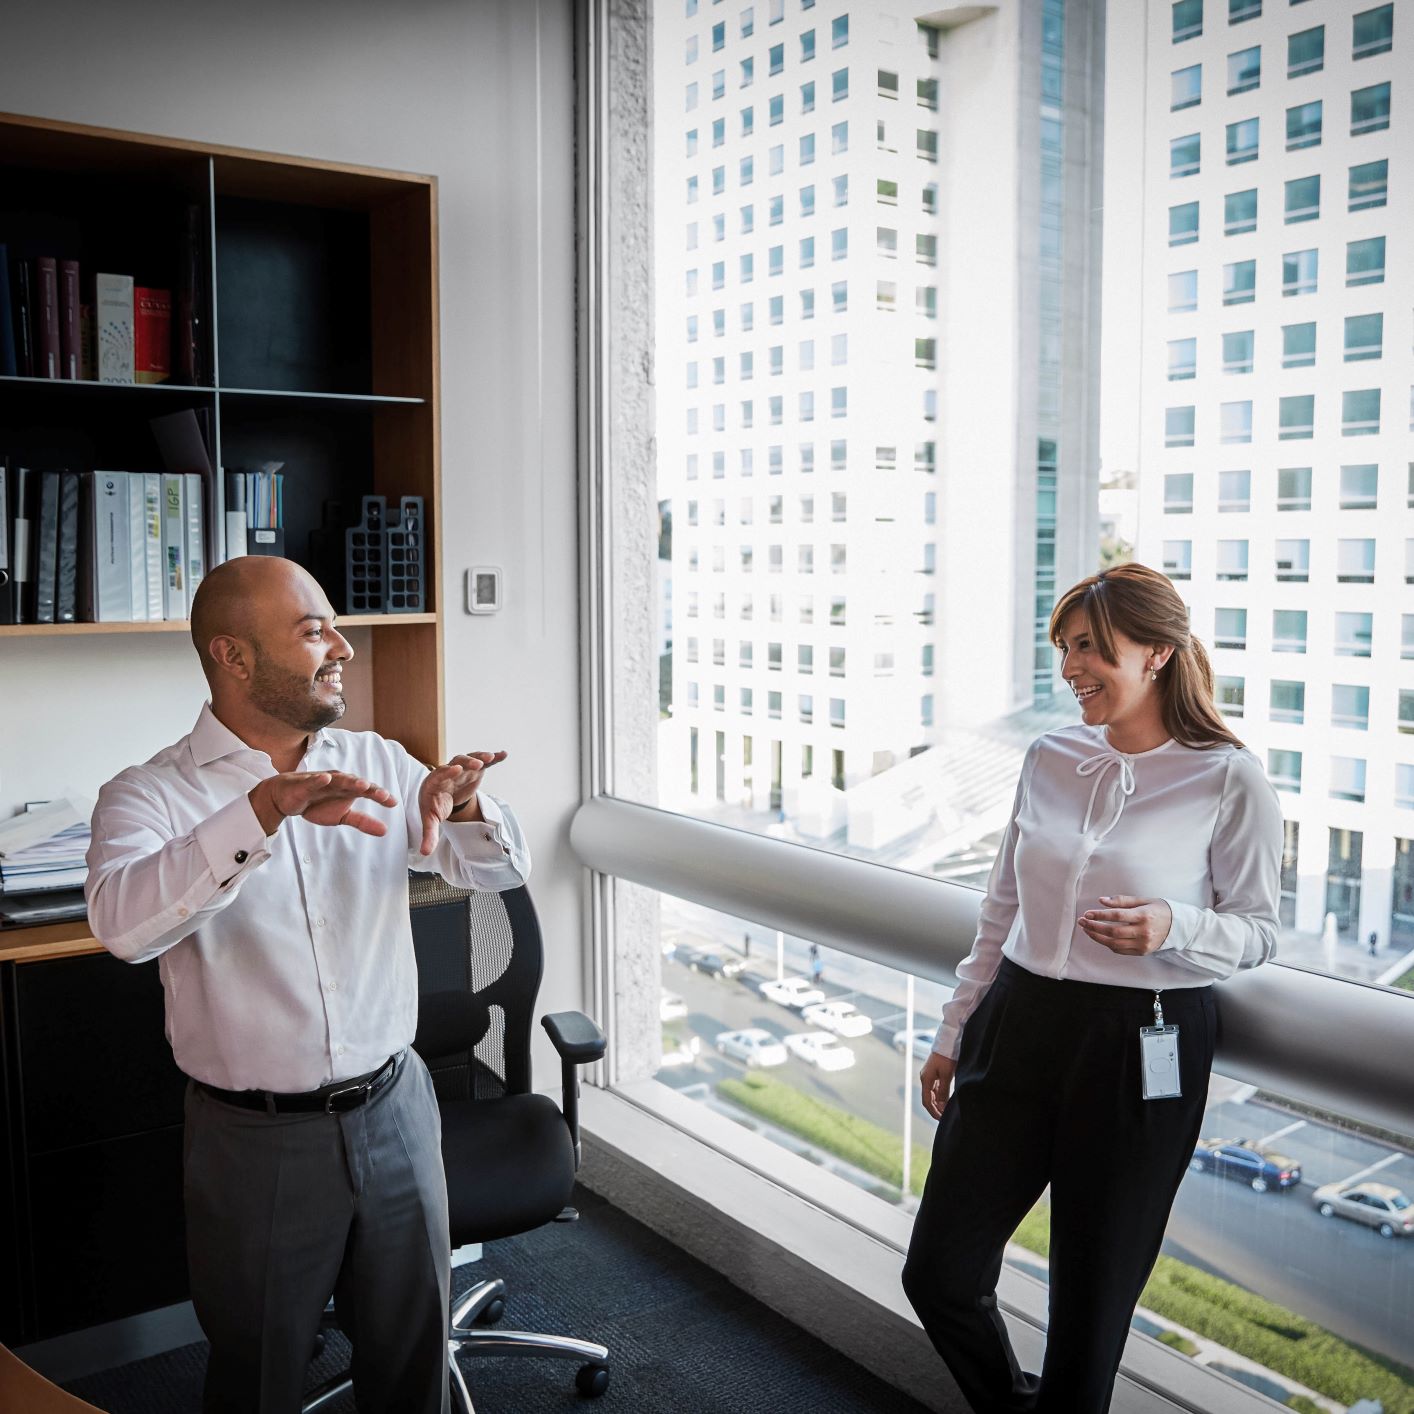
{"x":152,"y":335}
{"x":47,"y":317}
{"x":69,"y":347}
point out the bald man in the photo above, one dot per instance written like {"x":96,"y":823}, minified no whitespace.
{"x":262,"y":860}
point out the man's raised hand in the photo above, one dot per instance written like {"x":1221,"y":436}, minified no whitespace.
{"x":321,"y":797}
{"x":451,"y":790}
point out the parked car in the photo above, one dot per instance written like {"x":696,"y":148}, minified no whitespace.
{"x":843,"y":1018}
{"x":754,"y":1046}
{"x":685,"y":1053}
{"x":792,"y":992}
{"x":712,"y":963}
{"x":1377,"y":1205}
{"x":671,"y":1007}
{"x":1260,"y":1169}
{"x":820,"y":1048}
{"x":921,"y":1041}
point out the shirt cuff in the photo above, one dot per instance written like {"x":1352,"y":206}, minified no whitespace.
{"x":947,"y":1042}
{"x":485,"y":838}
{"x":1187,"y":920}
{"x":233,"y":841}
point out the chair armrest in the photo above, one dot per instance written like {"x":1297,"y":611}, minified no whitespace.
{"x":577,"y":1039}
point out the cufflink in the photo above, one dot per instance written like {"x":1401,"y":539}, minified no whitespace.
{"x":241,"y":856}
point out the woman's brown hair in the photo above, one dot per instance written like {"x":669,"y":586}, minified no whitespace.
{"x":1143,"y":605}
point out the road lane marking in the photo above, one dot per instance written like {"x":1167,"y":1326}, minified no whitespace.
{"x":1290,"y":1129}
{"x":1373,"y":1168}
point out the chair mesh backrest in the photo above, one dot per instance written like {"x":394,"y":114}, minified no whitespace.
{"x":489,"y":944}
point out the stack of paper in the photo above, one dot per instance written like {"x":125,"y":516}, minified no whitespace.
{"x":44,"y":848}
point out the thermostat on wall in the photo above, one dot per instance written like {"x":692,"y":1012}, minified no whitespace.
{"x":483,"y":589}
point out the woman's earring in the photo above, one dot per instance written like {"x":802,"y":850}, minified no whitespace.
{"x":1153,"y":676}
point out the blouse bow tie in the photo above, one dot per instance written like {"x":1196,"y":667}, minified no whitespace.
{"x":1097,"y":766}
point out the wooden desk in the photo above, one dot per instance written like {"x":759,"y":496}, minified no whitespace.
{"x":71,"y":939}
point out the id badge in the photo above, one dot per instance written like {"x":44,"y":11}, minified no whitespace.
{"x":1158,"y":1054}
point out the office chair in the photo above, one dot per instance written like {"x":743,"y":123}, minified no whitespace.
{"x":510,"y":1154}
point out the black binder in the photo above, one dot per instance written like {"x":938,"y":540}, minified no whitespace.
{"x":67,"y":579}
{"x":46,"y":554}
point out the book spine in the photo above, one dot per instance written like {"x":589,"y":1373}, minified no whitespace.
{"x":152,"y":542}
{"x":152,"y":334}
{"x":46,"y":558}
{"x":113,"y":317}
{"x":26,"y":494}
{"x":137,"y":545}
{"x":174,"y":522}
{"x":87,"y":552}
{"x":88,"y":353}
{"x":195,"y":538}
{"x":9,"y":367}
{"x":24,"y":318}
{"x":67,"y":583}
{"x":113,"y":583}
{"x":47,"y":316}
{"x":69,"y":319}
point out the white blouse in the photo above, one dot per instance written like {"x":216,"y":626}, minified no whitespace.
{"x":1201,"y":829}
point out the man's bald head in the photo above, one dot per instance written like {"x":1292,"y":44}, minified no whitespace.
{"x":251,"y":598}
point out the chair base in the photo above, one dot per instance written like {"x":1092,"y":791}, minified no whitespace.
{"x":481,"y":1303}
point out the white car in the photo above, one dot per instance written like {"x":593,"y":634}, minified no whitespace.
{"x":671,"y":1007}
{"x":754,"y":1046}
{"x":921,"y":1038}
{"x":684,"y":1054}
{"x":820,"y":1048}
{"x":792,"y":992}
{"x":843,"y":1018}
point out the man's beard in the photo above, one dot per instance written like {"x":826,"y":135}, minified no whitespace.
{"x":290,"y":698}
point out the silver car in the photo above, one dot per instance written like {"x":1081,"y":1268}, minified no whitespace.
{"x":1377,"y":1205}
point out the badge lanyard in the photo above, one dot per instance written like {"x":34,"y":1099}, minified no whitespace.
{"x":1158,"y":1057}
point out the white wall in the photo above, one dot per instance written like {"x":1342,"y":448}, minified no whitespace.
{"x":480,"y":93}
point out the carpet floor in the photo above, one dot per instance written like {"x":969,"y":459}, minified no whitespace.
{"x":682,"y":1339}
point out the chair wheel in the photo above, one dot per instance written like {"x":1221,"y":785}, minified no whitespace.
{"x":592,"y":1380}
{"x":492,"y":1313}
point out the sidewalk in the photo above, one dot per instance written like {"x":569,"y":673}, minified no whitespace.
{"x":1346,"y":958}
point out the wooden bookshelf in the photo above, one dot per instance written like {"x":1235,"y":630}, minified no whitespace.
{"x":321,"y":346}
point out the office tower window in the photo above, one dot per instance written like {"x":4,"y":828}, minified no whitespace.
{"x":1406,"y":711}
{"x":888,"y":84}
{"x":839,"y":85}
{"x":1183,"y":291}
{"x":925,"y":457}
{"x":886,"y":193}
{"x":748,"y":121}
{"x":807,"y":46}
{"x":807,"y":253}
{"x":1299,"y":269}
{"x":692,"y":374}
{"x":837,"y":664}
{"x":1240,"y":282}
{"x":1244,"y":70}
{"x":839,"y":402}
{"x":1298,"y":345}
{"x":719,"y":83}
{"x":839,"y":296}
{"x":1294,"y":488}
{"x":776,"y":110}
{"x":1353,"y":634}
{"x":1186,"y":89}
{"x":1239,"y":10}
{"x":925,"y":353}
{"x":1364,"y":337}
{"x":1296,"y":417}
{"x":1359,"y":487}
{"x":1232,"y":560}
{"x":775,"y":60}
{"x":807,"y":97}
{"x":1365,"y":261}
{"x":692,"y":152}
{"x":1289,"y":630}
{"x":1355,"y":561}
{"x":807,"y":406}
{"x":841,"y":189}
{"x":1284,"y":769}
{"x":691,"y":97}
{"x":746,"y":699}
{"x":926,"y":249}
{"x":773,"y":704}
{"x":1185,"y":155}
{"x":886,"y":295}
{"x":1303,"y":199}
{"x":1347,"y":783}
{"x":1369,"y":109}
{"x":839,"y":138}
{"x":1178,"y":559}
{"x":807,"y":149}
{"x":719,"y":35}
{"x":1183,"y":359}
{"x":748,"y":220}
{"x":839,"y":32}
{"x":747,"y":170}
{"x":930,"y":198}
{"x":927,"y":147}
{"x":1286,"y":701}
{"x":1234,"y":491}
{"x":1183,"y":223}
{"x":1369,"y":185}
{"x":1373,"y":32}
{"x":748,"y":72}
{"x":1303,"y":125}
{"x":1237,"y":352}
{"x":1230,"y":695}
{"x":807,"y":307}
{"x":1178,"y":492}
{"x":1178,"y":427}
{"x":925,"y":301}
{"x":1240,"y":212}
{"x":1230,"y":628}
{"x":1235,"y":422}
{"x":746,"y":267}
{"x":1187,"y":20}
{"x":927,"y":90}
{"x":1360,"y":413}
{"x":1293,"y":561}
{"x":837,"y":720}
{"x":1306,"y":52}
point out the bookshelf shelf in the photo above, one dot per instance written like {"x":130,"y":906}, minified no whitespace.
{"x":317,"y":349}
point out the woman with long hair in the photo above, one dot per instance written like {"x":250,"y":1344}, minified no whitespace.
{"x":1141,"y":864}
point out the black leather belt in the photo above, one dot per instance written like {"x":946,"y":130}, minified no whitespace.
{"x":338,"y":1098}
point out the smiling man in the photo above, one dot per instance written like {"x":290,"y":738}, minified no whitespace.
{"x":262,"y":860}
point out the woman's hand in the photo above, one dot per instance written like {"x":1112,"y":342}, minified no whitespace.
{"x":936,"y":1079}
{"x":1133,"y":926}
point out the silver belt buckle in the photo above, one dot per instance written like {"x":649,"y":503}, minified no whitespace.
{"x":347,"y":1090}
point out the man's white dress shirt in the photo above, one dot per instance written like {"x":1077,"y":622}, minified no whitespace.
{"x":287,"y":960}
{"x":1200,"y":829}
